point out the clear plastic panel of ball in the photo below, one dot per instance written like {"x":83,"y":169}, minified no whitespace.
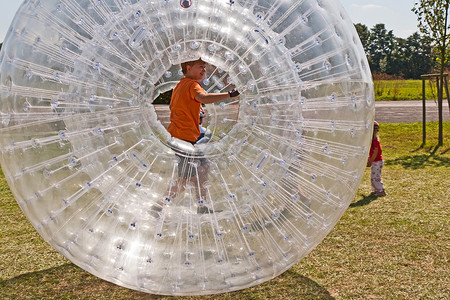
{"x":88,"y":158}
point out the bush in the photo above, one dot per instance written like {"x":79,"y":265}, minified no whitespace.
{"x":384,"y":76}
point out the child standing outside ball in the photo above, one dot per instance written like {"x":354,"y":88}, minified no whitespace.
{"x":375,"y":162}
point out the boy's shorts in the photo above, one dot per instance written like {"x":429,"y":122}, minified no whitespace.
{"x":187,"y":162}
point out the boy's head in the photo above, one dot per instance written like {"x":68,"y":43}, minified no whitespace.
{"x":194,"y":69}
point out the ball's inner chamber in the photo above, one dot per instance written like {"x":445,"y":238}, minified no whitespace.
{"x":217,"y":119}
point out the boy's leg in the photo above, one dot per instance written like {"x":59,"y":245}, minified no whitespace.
{"x":203,"y":170}
{"x":188,"y":174}
{"x":180,"y":182}
{"x":192,"y":170}
{"x":201,"y":178}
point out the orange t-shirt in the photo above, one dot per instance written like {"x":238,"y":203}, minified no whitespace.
{"x":185,"y":110}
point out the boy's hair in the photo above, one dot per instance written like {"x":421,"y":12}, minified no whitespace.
{"x":190,"y":63}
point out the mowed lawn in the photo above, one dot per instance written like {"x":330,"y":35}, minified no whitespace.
{"x":395,"y":247}
{"x":405,"y":90}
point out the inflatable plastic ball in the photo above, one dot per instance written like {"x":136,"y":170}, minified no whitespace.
{"x":88,"y":157}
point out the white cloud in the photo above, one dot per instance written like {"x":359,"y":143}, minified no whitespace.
{"x":368,"y":6}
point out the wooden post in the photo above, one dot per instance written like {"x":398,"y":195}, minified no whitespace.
{"x":439,"y":81}
{"x":446,"y":91}
{"x":431,"y":77}
{"x":424,"y":114}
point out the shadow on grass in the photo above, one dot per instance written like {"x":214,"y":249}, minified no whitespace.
{"x":70,"y":282}
{"x":421,"y":160}
{"x":364,"y":200}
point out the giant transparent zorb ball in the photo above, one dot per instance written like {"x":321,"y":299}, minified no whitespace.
{"x":89,"y":160}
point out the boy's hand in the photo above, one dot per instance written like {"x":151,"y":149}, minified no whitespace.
{"x":233,"y":93}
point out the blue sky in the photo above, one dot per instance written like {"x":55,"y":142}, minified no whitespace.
{"x":395,"y":14}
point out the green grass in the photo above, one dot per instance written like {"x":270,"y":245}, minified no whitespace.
{"x":395,"y":247}
{"x":404,"y":90}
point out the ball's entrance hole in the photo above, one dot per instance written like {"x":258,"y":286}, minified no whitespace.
{"x":217,"y":119}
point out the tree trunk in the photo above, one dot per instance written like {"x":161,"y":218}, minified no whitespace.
{"x":441,"y":77}
{"x":440,"y":96}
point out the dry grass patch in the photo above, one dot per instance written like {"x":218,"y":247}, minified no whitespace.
{"x":395,"y":247}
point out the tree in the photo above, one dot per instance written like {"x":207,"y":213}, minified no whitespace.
{"x":408,"y":58}
{"x":380,"y":48}
{"x":432,"y":16}
{"x":396,"y":56}
{"x":419,"y":58}
{"x":396,"y":60}
{"x":364,"y":36}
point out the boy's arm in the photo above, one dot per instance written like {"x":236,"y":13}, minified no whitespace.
{"x":215,"y":97}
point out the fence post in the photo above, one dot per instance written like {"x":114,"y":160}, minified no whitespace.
{"x":446,"y":91}
{"x":440,"y":100}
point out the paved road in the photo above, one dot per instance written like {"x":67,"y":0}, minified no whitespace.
{"x":409,"y":111}
{"x":385,"y":112}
